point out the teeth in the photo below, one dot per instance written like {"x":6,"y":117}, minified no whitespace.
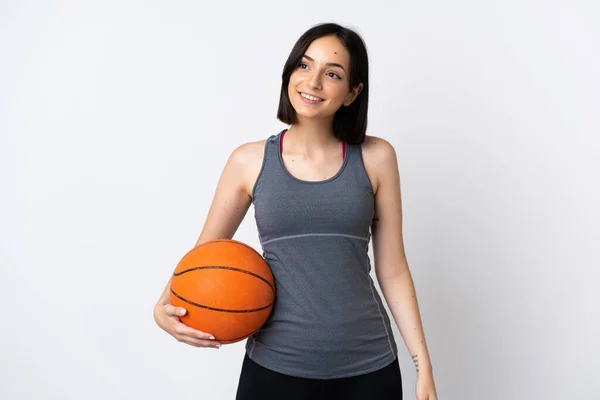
{"x":308,"y":96}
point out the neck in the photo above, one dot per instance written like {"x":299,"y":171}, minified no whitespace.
{"x":311,"y":133}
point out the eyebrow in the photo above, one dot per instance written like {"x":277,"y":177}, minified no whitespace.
{"x":330,"y":63}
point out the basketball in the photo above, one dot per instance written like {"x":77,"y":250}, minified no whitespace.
{"x":226,"y":287}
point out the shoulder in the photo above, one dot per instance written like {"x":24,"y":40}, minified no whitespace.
{"x":380,"y":160}
{"x":247,"y":160}
{"x":379,"y":149}
{"x":248,"y":153}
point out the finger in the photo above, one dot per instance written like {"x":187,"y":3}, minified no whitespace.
{"x":183,"y":329}
{"x":175,"y":311}
{"x":197,"y":342}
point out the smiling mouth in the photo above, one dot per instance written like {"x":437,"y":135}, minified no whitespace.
{"x":310,"y":97}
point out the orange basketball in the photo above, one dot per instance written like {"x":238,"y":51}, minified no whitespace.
{"x":226,"y":287}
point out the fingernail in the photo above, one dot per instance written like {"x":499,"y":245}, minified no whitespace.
{"x":181,"y":312}
{"x":212,"y":337}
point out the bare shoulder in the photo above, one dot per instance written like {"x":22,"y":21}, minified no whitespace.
{"x":380,"y":159}
{"x":377,"y":147}
{"x":249,"y":153}
{"x":248,"y":159}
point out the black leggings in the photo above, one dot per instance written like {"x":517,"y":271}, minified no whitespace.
{"x":259,"y":383}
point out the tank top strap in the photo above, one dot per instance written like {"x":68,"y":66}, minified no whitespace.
{"x":272,"y":149}
{"x":355,"y":168}
{"x":270,"y":163}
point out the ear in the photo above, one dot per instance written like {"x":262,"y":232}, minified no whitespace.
{"x":353,"y":94}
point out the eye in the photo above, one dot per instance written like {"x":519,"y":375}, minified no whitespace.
{"x":334,"y":75}
{"x":302,"y":65}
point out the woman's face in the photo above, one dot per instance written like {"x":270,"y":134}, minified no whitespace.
{"x":319,"y":85}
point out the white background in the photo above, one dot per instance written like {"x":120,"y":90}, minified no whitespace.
{"x":116,"y":118}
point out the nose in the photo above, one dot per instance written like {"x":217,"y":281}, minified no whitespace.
{"x":314,"y":80}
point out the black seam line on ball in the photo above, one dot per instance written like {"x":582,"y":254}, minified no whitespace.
{"x":219,"y":309}
{"x":228,"y":268}
{"x":245,"y":336}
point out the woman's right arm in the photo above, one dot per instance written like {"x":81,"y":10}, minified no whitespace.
{"x":230,"y":203}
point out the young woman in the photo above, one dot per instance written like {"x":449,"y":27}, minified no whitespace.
{"x":321,"y":189}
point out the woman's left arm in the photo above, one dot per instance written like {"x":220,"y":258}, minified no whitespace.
{"x":391,"y":266}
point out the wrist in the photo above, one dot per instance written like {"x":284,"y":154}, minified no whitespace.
{"x":425,"y":369}
{"x":421,"y":360}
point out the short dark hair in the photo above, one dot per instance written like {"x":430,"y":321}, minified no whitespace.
{"x":349,"y":122}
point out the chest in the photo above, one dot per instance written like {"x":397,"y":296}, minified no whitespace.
{"x":291,"y":208}
{"x":312,"y":170}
